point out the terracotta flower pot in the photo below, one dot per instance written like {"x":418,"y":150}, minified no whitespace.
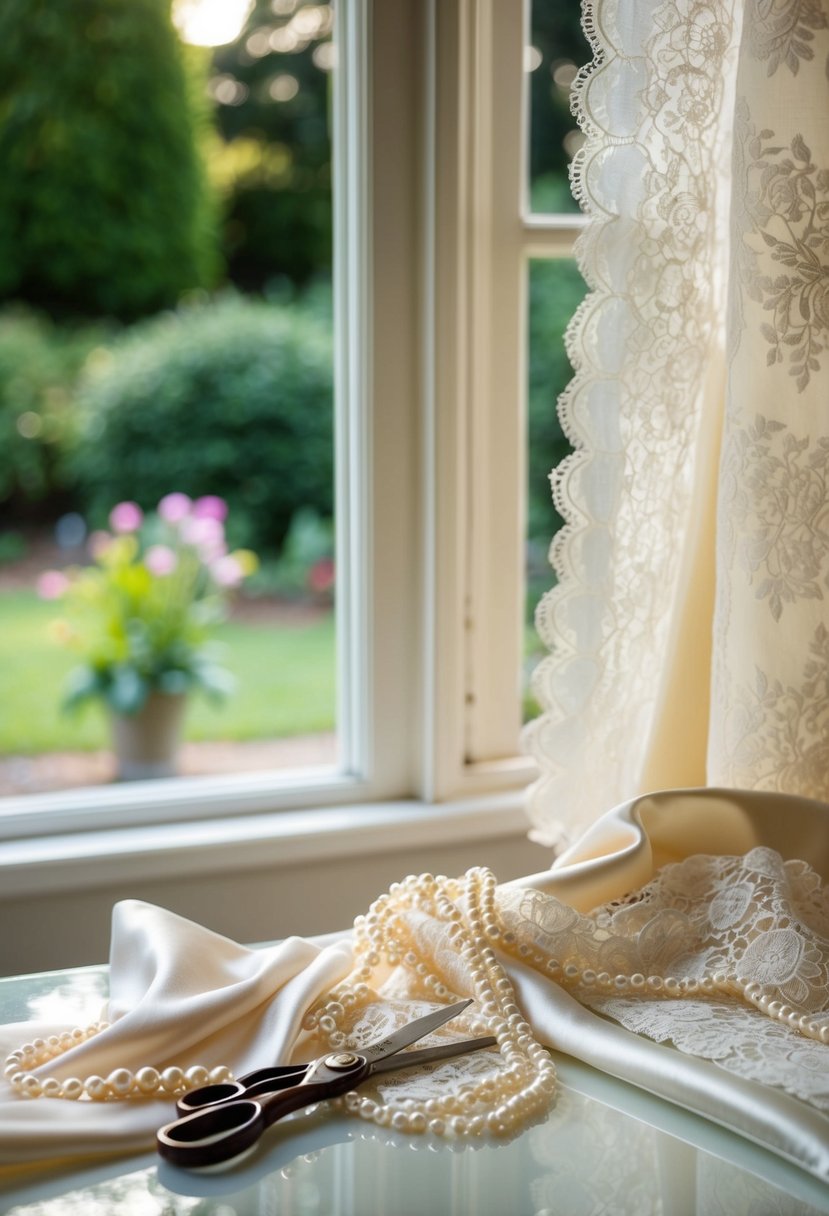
{"x":146,"y":744}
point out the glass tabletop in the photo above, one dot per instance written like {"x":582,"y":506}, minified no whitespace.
{"x":605,"y":1148}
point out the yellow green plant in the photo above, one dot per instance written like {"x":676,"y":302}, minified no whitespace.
{"x":141,"y":615}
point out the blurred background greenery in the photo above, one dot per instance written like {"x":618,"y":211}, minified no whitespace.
{"x":165,"y":267}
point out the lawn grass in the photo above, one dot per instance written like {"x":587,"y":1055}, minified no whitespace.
{"x":285,"y":675}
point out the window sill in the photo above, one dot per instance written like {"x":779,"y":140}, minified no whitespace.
{"x":95,"y":859}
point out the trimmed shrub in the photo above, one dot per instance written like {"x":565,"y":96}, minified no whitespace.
{"x":39,"y":364}
{"x":103,"y":203}
{"x":231,"y":398}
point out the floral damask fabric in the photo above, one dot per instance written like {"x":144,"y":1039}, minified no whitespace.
{"x":703,"y":345}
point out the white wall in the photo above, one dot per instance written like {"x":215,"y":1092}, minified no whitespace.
{"x":63,"y":928}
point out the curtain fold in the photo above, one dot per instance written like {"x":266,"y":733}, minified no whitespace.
{"x":701,"y":390}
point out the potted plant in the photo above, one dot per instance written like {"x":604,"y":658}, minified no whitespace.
{"x":140,"y":617}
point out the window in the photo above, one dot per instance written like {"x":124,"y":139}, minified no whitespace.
{"x":432,"y":248}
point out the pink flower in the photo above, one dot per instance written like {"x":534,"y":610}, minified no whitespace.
{"x":321,"y":575}
{"x":206,"y":531}
{"x":51,"y":584}
{"x":126,"y":517}
{"x":98,"y":543}
{"x":210,"y":507}
{"x":227,"y":571}
{"x":160,"y":560}
{"x":174,"y":507}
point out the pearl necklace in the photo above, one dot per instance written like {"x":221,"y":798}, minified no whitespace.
{"x":121,"y":1083}
{"x":498,"y":1103}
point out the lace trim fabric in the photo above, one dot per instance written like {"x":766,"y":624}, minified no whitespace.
{"x":653,"y":106}
{"x":756,"y":916}
{"x":667,"y":84}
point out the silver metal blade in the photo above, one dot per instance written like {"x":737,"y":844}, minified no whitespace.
{"x":426,"y":1055}
{"x":412,"y":1032}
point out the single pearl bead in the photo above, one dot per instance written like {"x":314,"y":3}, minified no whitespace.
{"x":400,"y":1121}
{"x":172,"y":1079}
{"x":72,"y":1088}
{"x":120,"y":1082}
{"x":52,"y":1088}
{"x":148,"y":1080}
{"x":96,"y":1088}
{"x":30,"y":1086}
{"x":196,"y":1076}
{"x":220,"y":1075}
{"x":437,"y":1127}
{"x":417,"y":1122}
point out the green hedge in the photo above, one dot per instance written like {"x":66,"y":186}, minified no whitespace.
{"x":39,"y":364}
{"x":231,"y":398}
{"x":104,"y":209}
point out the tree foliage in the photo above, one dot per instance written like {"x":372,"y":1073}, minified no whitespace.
{"x":274,"y":158}
{"x":104,"y":208}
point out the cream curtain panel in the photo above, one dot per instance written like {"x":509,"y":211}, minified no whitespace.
{"x":689,"y":629}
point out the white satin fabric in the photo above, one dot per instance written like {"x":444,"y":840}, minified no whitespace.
{"x":182,"y":995}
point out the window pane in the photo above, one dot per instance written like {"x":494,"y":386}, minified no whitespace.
{"x":555,"y":291}
{"x":167,"y":330}
{"x":557,"y":50}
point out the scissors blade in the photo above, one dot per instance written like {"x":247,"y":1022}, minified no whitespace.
{"x":426,"y":1055}
{"x":412,"y":1032}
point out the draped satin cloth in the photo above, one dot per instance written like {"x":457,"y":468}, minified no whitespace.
{"x":181,"y":994}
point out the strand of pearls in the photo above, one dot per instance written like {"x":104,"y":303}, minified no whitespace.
{"x":500,"y":1102}
{"x":145,"y":1082}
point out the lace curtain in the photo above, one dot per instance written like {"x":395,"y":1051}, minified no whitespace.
{"x":689,"y":630}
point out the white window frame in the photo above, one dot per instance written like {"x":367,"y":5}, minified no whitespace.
{"x":432,"y":240}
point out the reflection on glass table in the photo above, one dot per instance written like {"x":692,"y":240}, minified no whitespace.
{"x":606,"y":1148}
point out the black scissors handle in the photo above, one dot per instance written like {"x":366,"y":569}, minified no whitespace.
{"x":220,"y":1132}
{"x":251,"y":1085}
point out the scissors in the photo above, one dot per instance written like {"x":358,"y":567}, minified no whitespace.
{"x":219,"y":1123}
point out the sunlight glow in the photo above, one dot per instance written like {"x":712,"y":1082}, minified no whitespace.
{"x":210,"y":22}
